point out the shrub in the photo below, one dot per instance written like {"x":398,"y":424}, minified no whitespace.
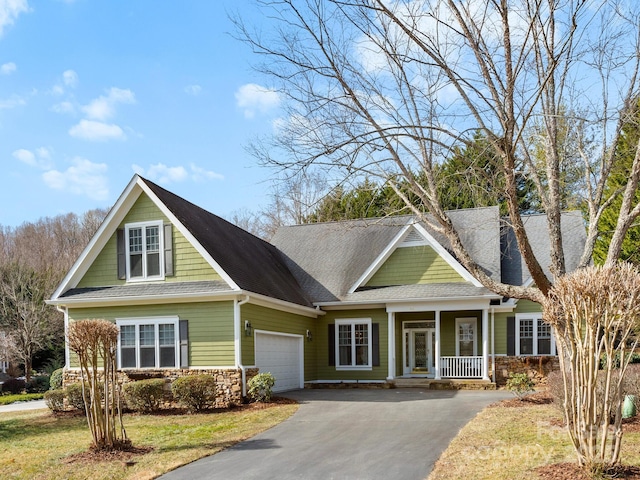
{"x":14,"y":385}
{"x":144,"y":395}
{"x":520,"y":384}
{"x":54,"y":399}
{"x":39,"y":384}
{"x":195,"y":392}
{"x":260,"y":387}
{"x":73,"y":393}
{"x":55,"y":381}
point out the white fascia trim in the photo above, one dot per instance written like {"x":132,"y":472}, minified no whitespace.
{"x":282,"y":305}
{"x":145,"y":300}
{"x":115,"y":216}
{"x":377,"y":263}
{"x":457,"y":266}
{"x":391,"y":305}
{"x":446,"y":304}
{"x":187,"y":234}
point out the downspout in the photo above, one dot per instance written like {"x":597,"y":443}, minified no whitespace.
{"x":493,"y":346}
{"x":67,"y":358}
{"x":238,"y":341}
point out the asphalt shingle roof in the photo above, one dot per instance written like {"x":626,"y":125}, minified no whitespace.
{"x":160,"y":289}
{"x":253,"y":264}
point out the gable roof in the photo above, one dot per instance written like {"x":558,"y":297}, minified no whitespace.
{"x":329,"y":259}
{"x":245,"y":262}
{"x":254,"y":265}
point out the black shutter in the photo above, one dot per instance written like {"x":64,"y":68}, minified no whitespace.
{"x":375,"y":344}
{"x":168,"y":250}
{"x":184,"y":343}
{"x":511,"y":336}
{"x":332,"y":345}
{"x":122,"y":254}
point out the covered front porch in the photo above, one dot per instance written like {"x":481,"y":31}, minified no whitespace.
{"x":440,"y":342}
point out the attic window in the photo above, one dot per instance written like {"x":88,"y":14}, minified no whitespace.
{"x":144,"y":248}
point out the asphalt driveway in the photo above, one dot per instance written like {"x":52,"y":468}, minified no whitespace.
{"x":350,"y":434}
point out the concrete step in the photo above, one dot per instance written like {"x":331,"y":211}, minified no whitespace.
{"x":444,"y":384}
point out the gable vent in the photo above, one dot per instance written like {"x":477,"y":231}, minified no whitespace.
{"x":413,"y":238}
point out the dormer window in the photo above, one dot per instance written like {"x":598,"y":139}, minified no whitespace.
{"x":145,"y":251}
{"x":144,"y":244}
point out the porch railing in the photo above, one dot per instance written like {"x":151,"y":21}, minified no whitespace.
{"x":461,"y":367}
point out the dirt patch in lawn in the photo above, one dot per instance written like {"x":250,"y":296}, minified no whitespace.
{"x":126,"y":455}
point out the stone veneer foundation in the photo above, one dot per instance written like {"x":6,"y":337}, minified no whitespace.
{"x":537,"y":368}
{"x":229,"y":381}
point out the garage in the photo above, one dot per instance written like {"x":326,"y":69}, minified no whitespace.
{"x":280,"y":354}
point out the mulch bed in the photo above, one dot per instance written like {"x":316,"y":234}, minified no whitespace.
{"x":571,"y":471}
{"x":126,"y":455}
{"x":537,"y":398}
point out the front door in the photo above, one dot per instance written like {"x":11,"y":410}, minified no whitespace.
{"x":418,"y":352}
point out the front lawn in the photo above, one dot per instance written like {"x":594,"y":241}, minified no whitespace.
{"x":39,"y":445}
{"x":512,"y":440}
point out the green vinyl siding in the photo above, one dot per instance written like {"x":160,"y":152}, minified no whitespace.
{"x":414,"y":265}
{"x":326,"y":372}
{"x":523,"y":306}
{"x":263,"y":318}
{"x":211,"y":333}
{"x":189,"y":265}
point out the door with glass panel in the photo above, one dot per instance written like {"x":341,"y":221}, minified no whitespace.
{"x":419,"y":351}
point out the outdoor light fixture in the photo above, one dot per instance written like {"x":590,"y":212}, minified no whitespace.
{"x":247,"y":328}
{"x":309,"y":336}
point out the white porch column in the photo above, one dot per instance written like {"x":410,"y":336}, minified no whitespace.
{"x":437,"y":346}
{"x":392,"y":345}
{"x":485,"y":344}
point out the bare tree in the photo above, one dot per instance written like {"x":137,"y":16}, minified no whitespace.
{"x":391,"y":88}
{"x":595,"y":313}
{"x":95,"y":342}
{"x":24,"y":317}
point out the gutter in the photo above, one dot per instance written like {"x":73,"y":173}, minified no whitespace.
{"x":238,"y":340}
{"x":67,"y":357}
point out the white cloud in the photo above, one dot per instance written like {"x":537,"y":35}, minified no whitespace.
{"x":70,"y":78}
{"x":254,"y":99}
{"x":194,"y":90}
{"x":97,"y":131}
{"x":199,"y":173}
{"x":162,"y":173}
{"x":103,"y":107}
{"x":8,"y":68}
{"x":82,"y":178}
{"x":41,"y":158}
{"x":12,"y":102}
{"x":9,"y":12}
{"x":64,"y":107}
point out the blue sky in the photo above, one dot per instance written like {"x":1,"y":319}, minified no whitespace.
{"x":93,"y":91}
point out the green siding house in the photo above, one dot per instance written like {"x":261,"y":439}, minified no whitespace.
{"x":365,"y":301}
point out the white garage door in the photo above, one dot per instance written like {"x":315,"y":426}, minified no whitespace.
{"x":282,"y":356}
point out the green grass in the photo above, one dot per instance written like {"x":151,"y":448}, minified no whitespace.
{"x":510,"y":443}
{"x":39,"y":445}
{"x":22,"y":397}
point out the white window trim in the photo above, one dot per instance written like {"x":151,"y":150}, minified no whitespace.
{"x":475,"y":334}
{"x":535,"y":317}
{"x":151,"y":321}
{"x":353,"y":322}
{"x":143,"y":226}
